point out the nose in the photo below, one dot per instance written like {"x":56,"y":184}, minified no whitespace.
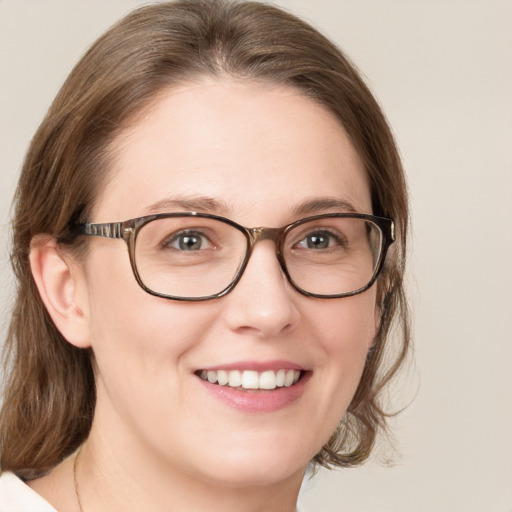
{"x":263,"y":302}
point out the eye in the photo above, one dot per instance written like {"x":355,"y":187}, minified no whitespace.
{"x":320,"y":239}
{"x":188,"y":241}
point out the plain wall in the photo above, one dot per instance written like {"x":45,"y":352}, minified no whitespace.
{"x":442,"y":71}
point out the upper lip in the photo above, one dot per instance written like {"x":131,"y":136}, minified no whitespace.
{"x":258,"y":366}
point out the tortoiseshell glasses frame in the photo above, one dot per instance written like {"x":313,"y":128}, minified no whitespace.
{"x":130,"y":230}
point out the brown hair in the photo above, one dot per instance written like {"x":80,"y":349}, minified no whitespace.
{"x":50,"y":392}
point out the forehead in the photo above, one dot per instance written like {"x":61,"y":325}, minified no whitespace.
{"x":254,"y":149}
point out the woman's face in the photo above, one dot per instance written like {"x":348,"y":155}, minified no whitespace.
{"x":261,"y":156}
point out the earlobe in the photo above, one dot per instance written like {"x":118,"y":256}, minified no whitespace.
{"x":56,"y":277}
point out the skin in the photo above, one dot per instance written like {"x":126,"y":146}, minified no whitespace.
{"x":158,"y":438}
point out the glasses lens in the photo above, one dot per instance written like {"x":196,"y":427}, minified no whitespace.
{"x":188,"y":256}
{"x":333,"y":255}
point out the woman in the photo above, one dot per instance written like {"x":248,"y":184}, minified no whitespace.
{"x":188,"y":358}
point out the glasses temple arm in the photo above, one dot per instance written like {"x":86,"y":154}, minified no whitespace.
{"x":107,"y":230}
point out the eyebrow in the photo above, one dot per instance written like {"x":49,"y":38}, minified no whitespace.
{"x":218,"y":206}
{"x":321,"y":204}
{"x":189,"y":203}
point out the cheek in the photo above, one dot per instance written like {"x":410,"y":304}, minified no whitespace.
{"x":134,"y":334}
{"x":347,"y":330}
{"x":142,"y":354}
{"x":348,"y":326}
{"x":122,"y":313}
{"x":149,"y":330}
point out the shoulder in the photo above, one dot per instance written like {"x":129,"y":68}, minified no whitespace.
{"x":16,"y":496}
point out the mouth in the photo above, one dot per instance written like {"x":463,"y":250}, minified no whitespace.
{"x":251,"y":379}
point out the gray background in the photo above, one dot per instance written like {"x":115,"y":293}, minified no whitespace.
{"x":443,"y":72}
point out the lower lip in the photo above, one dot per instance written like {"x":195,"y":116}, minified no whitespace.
{"x":257,"y":400}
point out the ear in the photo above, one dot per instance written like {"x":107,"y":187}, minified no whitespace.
{"x":57,"y":276}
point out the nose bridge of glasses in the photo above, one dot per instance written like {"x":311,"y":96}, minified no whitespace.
{"x":260,"y":234}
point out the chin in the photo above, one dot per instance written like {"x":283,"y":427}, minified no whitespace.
{"x":252,"y":474}
{"x":263,"y":464}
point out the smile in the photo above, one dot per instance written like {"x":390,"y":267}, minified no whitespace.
{"x":250,"y":379}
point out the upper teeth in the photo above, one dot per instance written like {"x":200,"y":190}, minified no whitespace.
{"x":249,"y":379}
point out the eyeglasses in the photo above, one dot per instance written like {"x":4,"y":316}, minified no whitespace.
{"x":197,"y":256}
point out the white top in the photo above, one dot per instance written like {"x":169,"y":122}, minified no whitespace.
{"x":17,"y":496}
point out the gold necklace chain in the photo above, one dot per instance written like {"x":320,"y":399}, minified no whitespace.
{"x":75,"y":481}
